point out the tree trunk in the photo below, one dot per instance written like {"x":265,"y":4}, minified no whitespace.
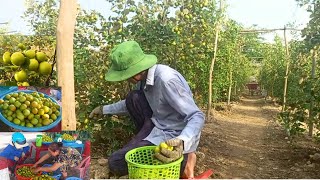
{"x":65,"y":33}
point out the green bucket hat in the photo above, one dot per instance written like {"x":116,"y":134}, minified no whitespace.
{"x":128,"y":60}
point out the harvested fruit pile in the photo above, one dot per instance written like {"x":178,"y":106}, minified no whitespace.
{"x":43,"y":177}
{"x":29,"y":109}
{"x":67,"y":137}
{"x":26,"y":171}
{"x":27,"y":62}
{"x":46,"y":138}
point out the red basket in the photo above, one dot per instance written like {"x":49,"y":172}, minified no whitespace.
{"x":20,"y":177}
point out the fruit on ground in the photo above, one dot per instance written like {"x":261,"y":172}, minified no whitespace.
{"x":20,"y":76}
{"x":7,"y":57}
{"x":17,"y":58}
{"x":30,"y":53}
{"x":45,"y":68}
{"x":33,"y":65}
{"x":40,"y":56}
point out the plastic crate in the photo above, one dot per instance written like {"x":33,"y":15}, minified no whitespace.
{"x":18,"y":177}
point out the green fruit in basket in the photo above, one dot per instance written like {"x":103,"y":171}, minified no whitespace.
{"x":46,"y":122}
{"x":26,"y":172}
{"x":10,"y":113}
{"x":37,"y":116}
{"x":23,"y":107}
{"x":23,"y":123}
{"x":41,"y":112}
{"x":10,"y":118}
{"x":53,"y":117}
{"x":12,"y":107}
{"x":33,"y":109}
{"x":7,"y":97}
{"x":67,"y":137}
{"x":26,"y":112}
{"x":17,"y":104}
{"x":34,"y":121}
{"x":27,"y":103}
{"x":30,"y":116}
{"x":22,"y":99}
{"x":29,"y":125}
{"x":16,"y":121}
{"x":39,"y":125}
{"x":20,"y":116}
{"x":46,"y":138}
{"x":12,"y":100}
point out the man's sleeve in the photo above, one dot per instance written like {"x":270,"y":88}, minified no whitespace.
{"x":7,"y":152}
{"x":116,"y":108}
{"x":181,"y":100}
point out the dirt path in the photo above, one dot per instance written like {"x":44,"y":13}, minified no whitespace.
{"x":248,"y":143}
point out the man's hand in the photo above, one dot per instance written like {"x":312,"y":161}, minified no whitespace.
{"x":16,"y":158}
{"x":171,"y":150}
{"x":23,"y":154}
{"x":96,"y":112}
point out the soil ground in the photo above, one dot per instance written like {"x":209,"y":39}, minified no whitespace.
{"x":247,"y":142}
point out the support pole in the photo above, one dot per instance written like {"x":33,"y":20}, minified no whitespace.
{"x":212,"y":62}
{"x":287,"y":59}
{"x":65,"y":33}
{"x":313,"y":76}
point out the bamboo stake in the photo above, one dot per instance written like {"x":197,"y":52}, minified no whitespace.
{"x":212,"y":63}
{"x":313,"y":76}
{"x":287,"y":71}
{"x":65,"y":33}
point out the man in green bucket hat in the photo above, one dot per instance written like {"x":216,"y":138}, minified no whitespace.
{"x":163,"y":109}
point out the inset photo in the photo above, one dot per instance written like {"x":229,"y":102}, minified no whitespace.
{"x":30,"y":109}
{"x":46,"y":156}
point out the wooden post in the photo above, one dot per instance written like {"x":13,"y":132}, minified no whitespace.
{"x":313,"y":76}
{"x":230,"y":87}
{"x":212,"y":63}
{"x":65,"y":33}
{"x":287,"y":59}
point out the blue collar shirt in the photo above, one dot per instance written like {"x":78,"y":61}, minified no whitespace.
{"x":175,"y":114}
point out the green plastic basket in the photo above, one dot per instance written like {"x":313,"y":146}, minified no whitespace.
{"x":143,"y":165}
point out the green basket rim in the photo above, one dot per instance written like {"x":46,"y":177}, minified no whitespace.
{"x":149,"y":166}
